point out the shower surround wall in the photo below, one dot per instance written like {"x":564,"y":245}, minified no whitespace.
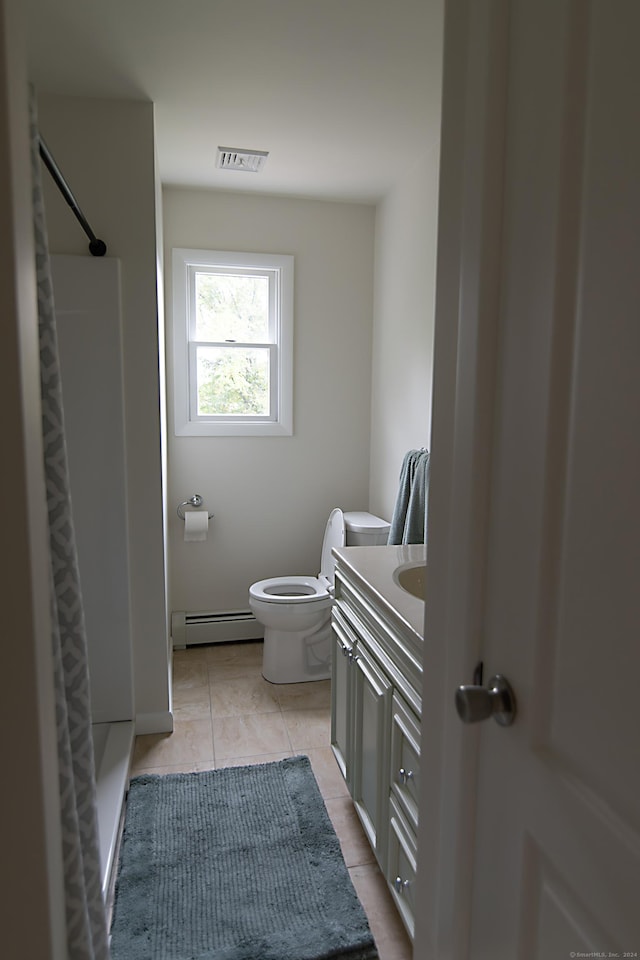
{"x":87,"y":301}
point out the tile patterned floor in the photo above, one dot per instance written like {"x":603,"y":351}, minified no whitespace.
{"x":226,"y":714}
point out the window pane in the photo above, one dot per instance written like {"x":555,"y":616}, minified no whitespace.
{"x":233,"y":381}
{"x":232,"y":307}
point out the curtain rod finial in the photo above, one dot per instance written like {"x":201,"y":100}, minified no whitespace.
{"x":97,"y":248}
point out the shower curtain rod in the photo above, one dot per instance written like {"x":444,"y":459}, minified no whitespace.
{"x":97,"y":247}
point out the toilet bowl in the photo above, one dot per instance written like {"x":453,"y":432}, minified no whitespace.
{"x":296,"y":611}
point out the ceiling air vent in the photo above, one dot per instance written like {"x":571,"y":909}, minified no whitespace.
{"x":232,"y":158}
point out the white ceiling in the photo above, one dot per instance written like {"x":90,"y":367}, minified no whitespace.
{"x":344,"y":94}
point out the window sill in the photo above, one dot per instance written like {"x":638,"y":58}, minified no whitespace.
{"x":234,"y":429}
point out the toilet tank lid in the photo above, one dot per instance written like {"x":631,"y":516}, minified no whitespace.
{"x":359,"y":521}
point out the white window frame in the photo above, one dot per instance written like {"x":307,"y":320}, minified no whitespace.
{"x":278,"y":268}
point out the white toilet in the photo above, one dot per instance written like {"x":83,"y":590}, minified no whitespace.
{"x":296,"y":611}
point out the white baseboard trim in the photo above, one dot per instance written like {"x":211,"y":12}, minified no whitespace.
{"x":161,"y":722}
{"x":189,"y":629}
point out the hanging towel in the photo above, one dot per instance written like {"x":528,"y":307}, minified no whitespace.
{"x":409,"y":521}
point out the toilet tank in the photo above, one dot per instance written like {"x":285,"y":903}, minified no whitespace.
{"x":364,"y":530}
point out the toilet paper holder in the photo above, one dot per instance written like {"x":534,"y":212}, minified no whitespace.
{"x":194,"y":501}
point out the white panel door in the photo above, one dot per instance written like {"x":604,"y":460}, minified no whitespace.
{"x":550,"y":864}
{"x":558,"y":857}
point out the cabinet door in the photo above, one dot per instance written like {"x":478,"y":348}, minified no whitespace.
{"x":371,"y":722}
{"x":342,"y":697}
{"x":405,"y":759}
{"x":401,"y":868}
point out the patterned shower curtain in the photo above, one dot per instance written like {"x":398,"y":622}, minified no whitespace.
{"x":85,"y":913}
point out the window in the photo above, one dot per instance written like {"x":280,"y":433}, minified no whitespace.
{"x":233,"y":343}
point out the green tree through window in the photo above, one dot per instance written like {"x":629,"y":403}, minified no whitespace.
{"x":232,"y":307}
{"x":234,"y":380}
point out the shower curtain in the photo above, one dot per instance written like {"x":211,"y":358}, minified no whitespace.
{"x":85,"y":913}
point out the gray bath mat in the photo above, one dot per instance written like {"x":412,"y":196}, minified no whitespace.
{"x":234,"y":864}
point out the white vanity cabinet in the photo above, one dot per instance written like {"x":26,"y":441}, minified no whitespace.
{"x":376,"y":708}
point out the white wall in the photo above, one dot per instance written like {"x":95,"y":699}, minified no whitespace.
{"x":272,"y":495}
{"x":405,"y":258}
{"x":105,"y":149}
{"x":162,"y":365}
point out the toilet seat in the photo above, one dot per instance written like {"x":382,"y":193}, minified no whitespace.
{"x":306,"y":589}
{"x":290,"y":590}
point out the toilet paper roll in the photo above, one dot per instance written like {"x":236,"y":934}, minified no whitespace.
{"x":196,"y":525}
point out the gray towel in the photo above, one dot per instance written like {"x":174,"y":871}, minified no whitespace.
{"x":409,"y":521}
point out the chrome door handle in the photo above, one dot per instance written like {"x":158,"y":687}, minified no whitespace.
{"x":497,"y":700}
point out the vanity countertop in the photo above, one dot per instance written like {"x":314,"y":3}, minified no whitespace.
{"x":372,"y":568}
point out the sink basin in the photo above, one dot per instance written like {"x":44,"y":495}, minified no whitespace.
{"x":412,"y":577}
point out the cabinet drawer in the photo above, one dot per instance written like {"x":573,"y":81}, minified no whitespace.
{"x":401,"y":866}
{"x":405,"y":759}
{"x":347,"y":636}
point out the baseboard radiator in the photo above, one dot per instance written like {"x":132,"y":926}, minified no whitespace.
{"x":188,"y":629}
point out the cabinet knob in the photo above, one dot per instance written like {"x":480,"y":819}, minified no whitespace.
{"x":405,"y":775}
{"x":400,"y":885}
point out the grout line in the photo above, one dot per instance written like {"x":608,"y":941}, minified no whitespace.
{"x":213,"y":731}
{"x":286,"y":730}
